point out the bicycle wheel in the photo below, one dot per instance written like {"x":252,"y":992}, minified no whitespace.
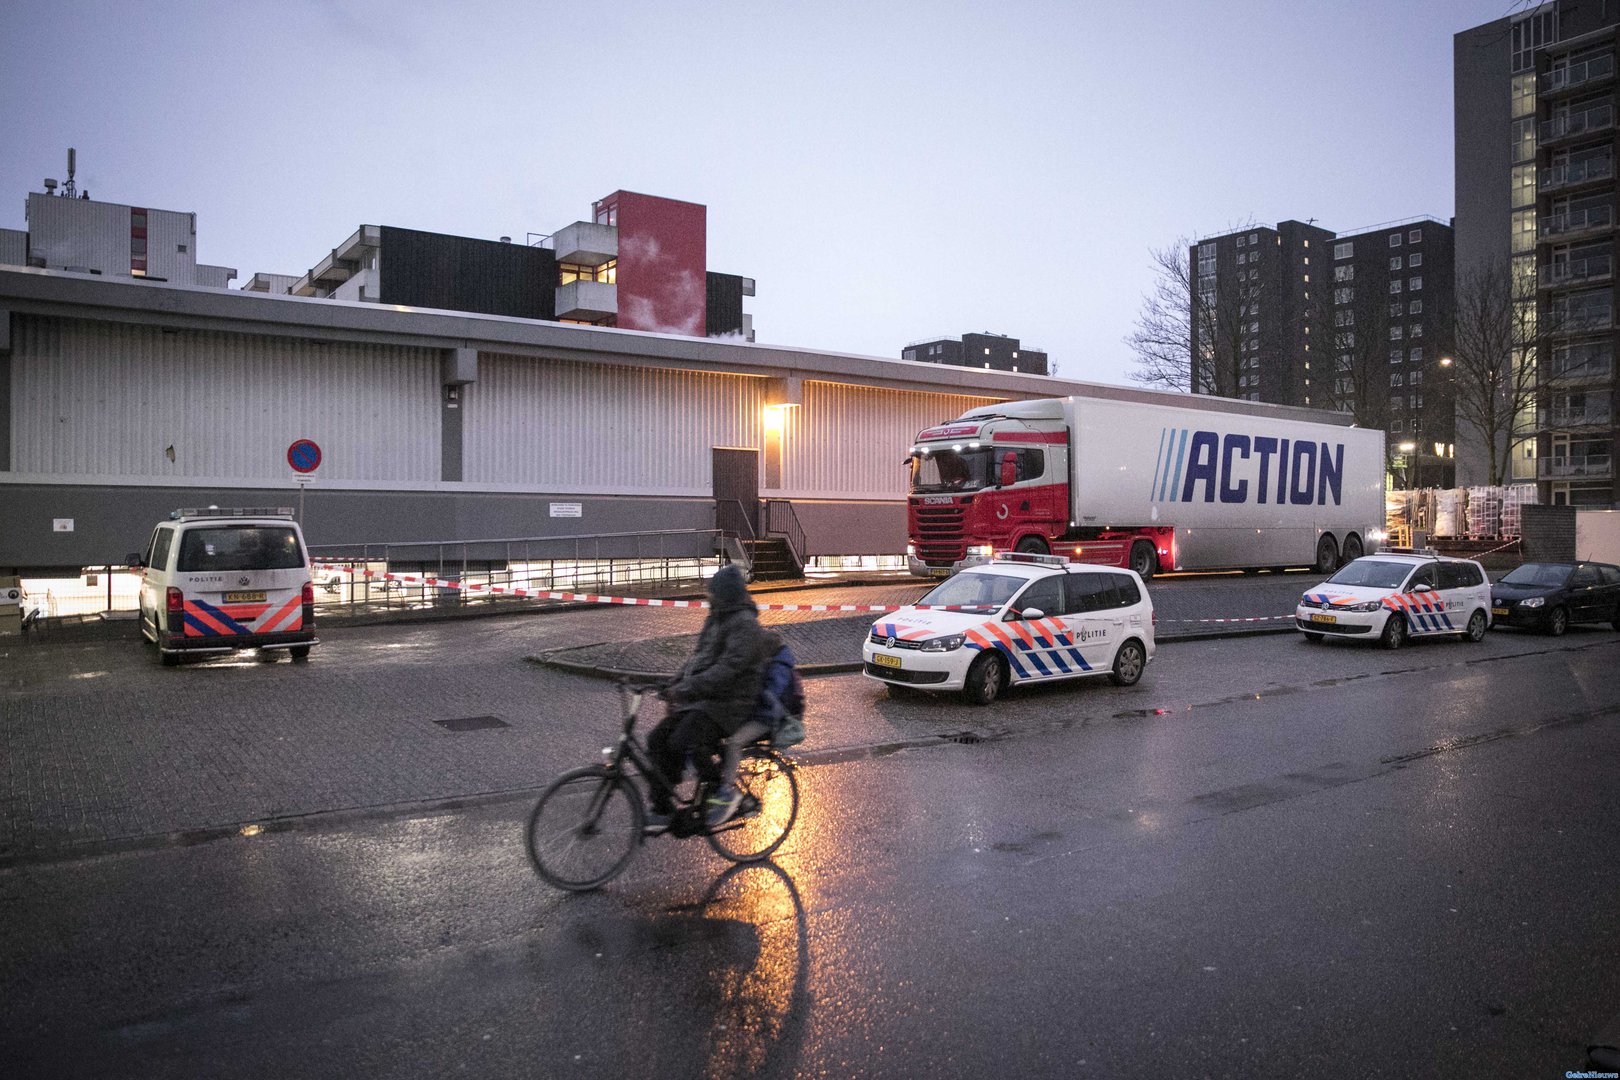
{"x":584,"y":828}
{"x":770,"y":805}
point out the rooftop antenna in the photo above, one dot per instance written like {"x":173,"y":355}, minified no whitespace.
{"x":69,"y":190}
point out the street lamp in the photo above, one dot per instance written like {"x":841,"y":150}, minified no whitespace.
{"x":1407,"y":449}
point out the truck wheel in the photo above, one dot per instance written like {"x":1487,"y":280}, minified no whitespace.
{"x":1327,"y":554}
{"x":1033,"y":545}
{"x":1144,"y":560}
{"x":1352,"y":548}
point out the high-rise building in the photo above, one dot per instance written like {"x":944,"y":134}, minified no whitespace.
{"x":994,"y":351}
{"x":1357,"y":322}
{"x":1536,"y":142}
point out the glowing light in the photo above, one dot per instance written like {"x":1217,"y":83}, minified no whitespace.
{"x":252,"y":830}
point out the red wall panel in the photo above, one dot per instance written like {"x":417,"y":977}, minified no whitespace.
{"x":663,"y":260}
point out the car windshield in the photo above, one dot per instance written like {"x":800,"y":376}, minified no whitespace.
{"x":1372,"y":573}
{"x":952,"y":470}
{"x":240,"y":547}
{"x":1537,"y":574}
{"x":985,"y":592}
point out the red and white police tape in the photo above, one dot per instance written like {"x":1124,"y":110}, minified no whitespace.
{"x":641,"y":601}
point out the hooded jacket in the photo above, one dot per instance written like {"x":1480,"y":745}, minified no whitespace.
{"x":723,"y":676}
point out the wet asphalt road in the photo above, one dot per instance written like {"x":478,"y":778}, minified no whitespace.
{"x":1268,"y":859}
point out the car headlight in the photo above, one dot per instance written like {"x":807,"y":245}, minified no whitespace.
{"x":947,"y":643}
{"x":1368,"y":605}
{"x":1534,"y":601}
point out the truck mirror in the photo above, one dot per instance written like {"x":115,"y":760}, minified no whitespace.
{"x":1009,"y":469}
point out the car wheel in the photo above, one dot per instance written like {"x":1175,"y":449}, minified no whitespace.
{"x":1476,"y":627}
{"x":1033,"y":545}
{"x":1352,"y":548}
{"x":985,"y":679}
{"x":1394,"y":635}
{"x":169,"y":659}
{"x":1327,"y":554}
{"x":1144,"y":560}
{"x":1557,"y":622}
{"x":299,"y":652}
{"x":1312,"y":637}
{"x":1128,"y":664}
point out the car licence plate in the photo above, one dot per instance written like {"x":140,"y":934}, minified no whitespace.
{"x":244,"y":597}
{"x":1499,"y":611}
{"x":885,"y":661}
{"x":1324,"y":618}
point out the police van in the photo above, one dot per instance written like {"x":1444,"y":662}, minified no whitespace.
{"x":219,"y":580}
{"x":1019,"y":618}
{"x":1392,"y":598}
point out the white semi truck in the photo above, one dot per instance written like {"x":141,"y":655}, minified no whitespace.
{"x":1155,"y":482}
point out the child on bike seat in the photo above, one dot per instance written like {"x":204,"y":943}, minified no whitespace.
{"x":714,"y":694}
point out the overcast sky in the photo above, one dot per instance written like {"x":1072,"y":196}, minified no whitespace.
{"x":887,"y":172}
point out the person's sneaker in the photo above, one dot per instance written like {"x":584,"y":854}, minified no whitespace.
{"x":655,"y":822}
{"x":721,"y":805}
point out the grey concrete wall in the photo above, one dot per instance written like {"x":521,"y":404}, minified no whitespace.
{"x":1549,"y":534}
{"x":110,"y":522}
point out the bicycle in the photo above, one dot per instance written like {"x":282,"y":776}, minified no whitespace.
{"x":590,"y":820}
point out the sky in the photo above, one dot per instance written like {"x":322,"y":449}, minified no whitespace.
{"x":886,"y":172}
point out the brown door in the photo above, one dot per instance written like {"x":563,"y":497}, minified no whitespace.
{"x":736,"y":490}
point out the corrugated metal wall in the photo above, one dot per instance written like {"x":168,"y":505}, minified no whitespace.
{"x":848,"y":441}
{"x":107,"y":399}
{"x":579,"y":427}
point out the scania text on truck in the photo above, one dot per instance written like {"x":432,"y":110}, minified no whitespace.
{"x":1186,"y":483}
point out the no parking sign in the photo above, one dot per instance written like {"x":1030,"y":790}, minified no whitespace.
{"x":304,"y":456}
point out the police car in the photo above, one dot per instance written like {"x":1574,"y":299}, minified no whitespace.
{"x":1391,"y":598}
{"x":217,"y":580}
{"x":1018,"y":619}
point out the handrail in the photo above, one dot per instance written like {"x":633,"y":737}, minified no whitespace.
{"x":734,"y":509}
{"x":782,"y":520}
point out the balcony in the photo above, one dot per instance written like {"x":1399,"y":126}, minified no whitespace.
{"x":1576,"y":124}
{"x":1583,"y":364}
{"x":1574,"y":174}
{"x":1586,"y":73}
{"x":1588,"y":271}
{"x":587,"y":301}
{"x":1573,"y":223}
{"x":586,"y":243}
{"x":1577,"y":467}
{"x":1586,"y":419}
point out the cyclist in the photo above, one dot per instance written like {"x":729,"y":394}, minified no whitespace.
{"x":714,"y":694}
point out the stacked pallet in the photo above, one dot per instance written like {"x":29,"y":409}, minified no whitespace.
{"x":1484,"y":512}
{"x":1514,"y":500}
{"x":1450,"y":511}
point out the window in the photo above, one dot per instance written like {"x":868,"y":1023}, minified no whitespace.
{"x":1344,"y":318}
{"x":1254,"y":238}
{"x":1343,"y":296}
{"x":1524,"y":140}
{"x":1395,"y":309}
{"x":1415,"y":261}
{"x":1414,"y":284}
{"x":1395,"y":286}
{"x":1254,"y":275}
{"x":1415,"y":308}
{"x":1396,"y":379}
{"x":1395,"y":426}
{"x":1395,"y":333}
{"x":1242,"y":240}
{"x":1242,"y":258}
{"x":1397,"y":355}
{"x":1416,"y":379}
{"x":1344,"y":251}
{"x":1417,"y":356}
{"x":1394,"y":239}
{"x":1414,"y":236}
{"x":1045,"y":594}
{"x":1395,"y":263}
{"x":181,"y":249}
{"x":1344,"y":273}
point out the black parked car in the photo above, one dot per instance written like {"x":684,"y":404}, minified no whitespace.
{"x":1550,"y":596}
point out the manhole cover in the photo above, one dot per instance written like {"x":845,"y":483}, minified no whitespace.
{"x":472,"y":723}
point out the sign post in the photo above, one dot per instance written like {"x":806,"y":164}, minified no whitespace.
{"x":305,"y":457}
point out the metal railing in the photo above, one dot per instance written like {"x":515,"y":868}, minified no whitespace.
{"x":1566,"y":78}
{"x":1583,"y":364}
{"x":1575,"y":172}
{"x":734,"y":527}
{"x":1583,"y":466}
{"x":1572,"y":271}
{"x":1597,"y":217}
{"x":1555,"y":419}
{"x":781,"y":520}
{"x":1599,"y":118}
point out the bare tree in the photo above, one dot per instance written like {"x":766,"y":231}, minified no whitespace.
{"x":1350,"y":356}
{"x":1498,"y":339}
{"x":1178,"y":317}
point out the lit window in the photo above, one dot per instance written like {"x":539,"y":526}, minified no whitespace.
{"x":1344,"y":273}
